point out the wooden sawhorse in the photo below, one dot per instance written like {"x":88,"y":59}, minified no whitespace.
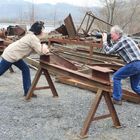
{"x":91,"y":115}
{"x":100,"y":74}
{"x":35,"y":81}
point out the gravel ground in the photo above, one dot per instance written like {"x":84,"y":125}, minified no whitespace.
{"x":48,"y":118}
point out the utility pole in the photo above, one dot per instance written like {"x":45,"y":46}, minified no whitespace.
{"x":54,"y":17}
{"x":32,"y":12}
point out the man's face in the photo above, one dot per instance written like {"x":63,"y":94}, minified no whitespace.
{"x":114,"y":36}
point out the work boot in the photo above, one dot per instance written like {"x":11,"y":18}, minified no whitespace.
{"x":33,"y":95}
{"x":117,"y":102}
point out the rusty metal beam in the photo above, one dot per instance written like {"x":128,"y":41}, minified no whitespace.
{"x":127,"y":95}
{"x":96,"y":55}
{"x":70,"y":26}
{"x":91,"y":14}
{"x":101,"y":60}
{"x":74,"y":74}
{"x":92,"y":17}
{"x":75,"y":41}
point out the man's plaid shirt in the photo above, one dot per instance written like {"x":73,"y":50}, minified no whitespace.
{"x":125,"y":47}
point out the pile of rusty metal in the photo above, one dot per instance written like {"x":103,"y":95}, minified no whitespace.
{"x":82,"y":55}
{"x":78,"y":50}
{"x":9,"y":35}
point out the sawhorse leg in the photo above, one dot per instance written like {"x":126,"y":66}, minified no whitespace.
{"x":90,"y":117}
{"x":112,"y":110}
{"x":36,"y":79}
{"x":11,"y":70}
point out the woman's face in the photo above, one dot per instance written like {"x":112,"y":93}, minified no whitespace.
{"x":115,"y":36}
{"x":43,"y":30}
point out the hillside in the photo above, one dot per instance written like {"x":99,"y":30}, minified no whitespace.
{"x":16,"y":10}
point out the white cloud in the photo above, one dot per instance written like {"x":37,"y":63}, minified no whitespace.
{"x":84,"y":3}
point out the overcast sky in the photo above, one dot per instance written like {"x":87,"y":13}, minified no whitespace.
{"x":84,"y":3}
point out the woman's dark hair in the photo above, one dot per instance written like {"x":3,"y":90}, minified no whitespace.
{"x":36,"y":28}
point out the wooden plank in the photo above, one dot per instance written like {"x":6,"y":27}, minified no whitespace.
{"x":73,"y":82}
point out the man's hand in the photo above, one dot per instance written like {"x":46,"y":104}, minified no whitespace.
{"x":104,"y":36}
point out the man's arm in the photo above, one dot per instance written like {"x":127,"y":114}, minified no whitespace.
{"x":110,"y":49}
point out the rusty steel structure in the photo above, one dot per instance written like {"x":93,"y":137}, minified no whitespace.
{"x":7,"y":36}
{"x":99,"y":79}
{"x":65,"y":63}
{"x":73,"y":36}
{"x":3,"y":33}
{"x":15,"y":30}
{"x":74,"y":54}
{"x":89,"y":18}
{"x":68,"y":29}
{"x":103,"y":86}
{"x":61,"y":61}
{"x":86,"y":43}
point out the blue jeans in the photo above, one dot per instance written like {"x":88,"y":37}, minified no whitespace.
{"x":5,"y":65}
{"x":131,"y":70}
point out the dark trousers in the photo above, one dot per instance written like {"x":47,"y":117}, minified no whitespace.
{"x":131,"y":70}
{"x":26,"y":77}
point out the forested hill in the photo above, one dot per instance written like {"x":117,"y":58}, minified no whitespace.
{"x":20,"y":10}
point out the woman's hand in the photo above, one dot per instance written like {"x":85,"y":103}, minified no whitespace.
{"x":45,"y":49}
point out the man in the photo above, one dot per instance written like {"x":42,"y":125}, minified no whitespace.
{"x":15,"y":52}
{"x":128,"y":50}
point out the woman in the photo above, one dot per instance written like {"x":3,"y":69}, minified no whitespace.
{"x":15,"y":52}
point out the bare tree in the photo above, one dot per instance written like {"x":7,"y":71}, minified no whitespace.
{"x":109,"y":10}
{"x":110,"y":5}
{"x":121,"y":12}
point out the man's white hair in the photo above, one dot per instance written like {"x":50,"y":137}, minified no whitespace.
{"x":116,"y":29}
